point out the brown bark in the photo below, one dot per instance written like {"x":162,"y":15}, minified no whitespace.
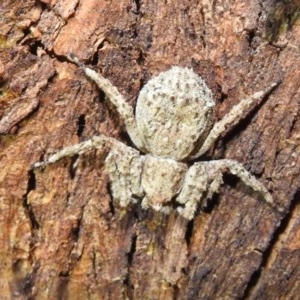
{"x":62,"y":237}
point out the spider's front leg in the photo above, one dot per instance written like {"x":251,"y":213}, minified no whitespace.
{"x":203,"y":179}
{"x":216,"y":169}
{"x":97,"y":142}
{"x":194,"y":186}
{"x":125,"y":171}
{"x":123,"y":165}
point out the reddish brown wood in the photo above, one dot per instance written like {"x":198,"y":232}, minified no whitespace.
{"x":62,"y":236}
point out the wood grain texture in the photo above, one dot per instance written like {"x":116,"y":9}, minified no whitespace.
{"x":61,"y":236}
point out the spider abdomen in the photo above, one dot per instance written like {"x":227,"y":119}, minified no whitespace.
{"x":173,"y":112}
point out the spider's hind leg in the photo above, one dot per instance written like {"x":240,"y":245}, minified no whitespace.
{"x":116,"y":99}
{"x":233,"y":117}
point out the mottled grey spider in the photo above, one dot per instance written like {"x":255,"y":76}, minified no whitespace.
{"x":172,"y":125}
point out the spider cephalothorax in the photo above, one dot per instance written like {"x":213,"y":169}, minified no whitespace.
{"x":173,"y":124}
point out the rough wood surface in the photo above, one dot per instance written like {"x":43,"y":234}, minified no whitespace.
{"x":61,"y":235}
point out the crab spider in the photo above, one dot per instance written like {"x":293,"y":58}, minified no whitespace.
{"x":173,"y":125}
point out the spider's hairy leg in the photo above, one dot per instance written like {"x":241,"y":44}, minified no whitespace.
{"x":219,"y":167}
{"x":97,"y":142}
{"x":124,"y":167}
{"x":238,"y":112}
{"x":193,"y":188}
{"x":116,"y":98}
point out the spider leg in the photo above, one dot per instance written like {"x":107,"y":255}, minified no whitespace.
{"x":118,"y":101}
{"x":205,"y":179}
{"x":97,"y":142}
{"x":123,"y":165}
{"x":125,"y":170}
{"x":238,"y":112}
{"x":217,"y":168}
{"x":195,"y":184}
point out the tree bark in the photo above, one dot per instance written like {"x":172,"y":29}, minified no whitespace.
{"x":62,"y":236}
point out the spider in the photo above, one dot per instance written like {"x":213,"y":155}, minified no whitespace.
{"x":172,"y":126}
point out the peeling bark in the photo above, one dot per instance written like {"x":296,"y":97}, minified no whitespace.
{"x":62,"y":236}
